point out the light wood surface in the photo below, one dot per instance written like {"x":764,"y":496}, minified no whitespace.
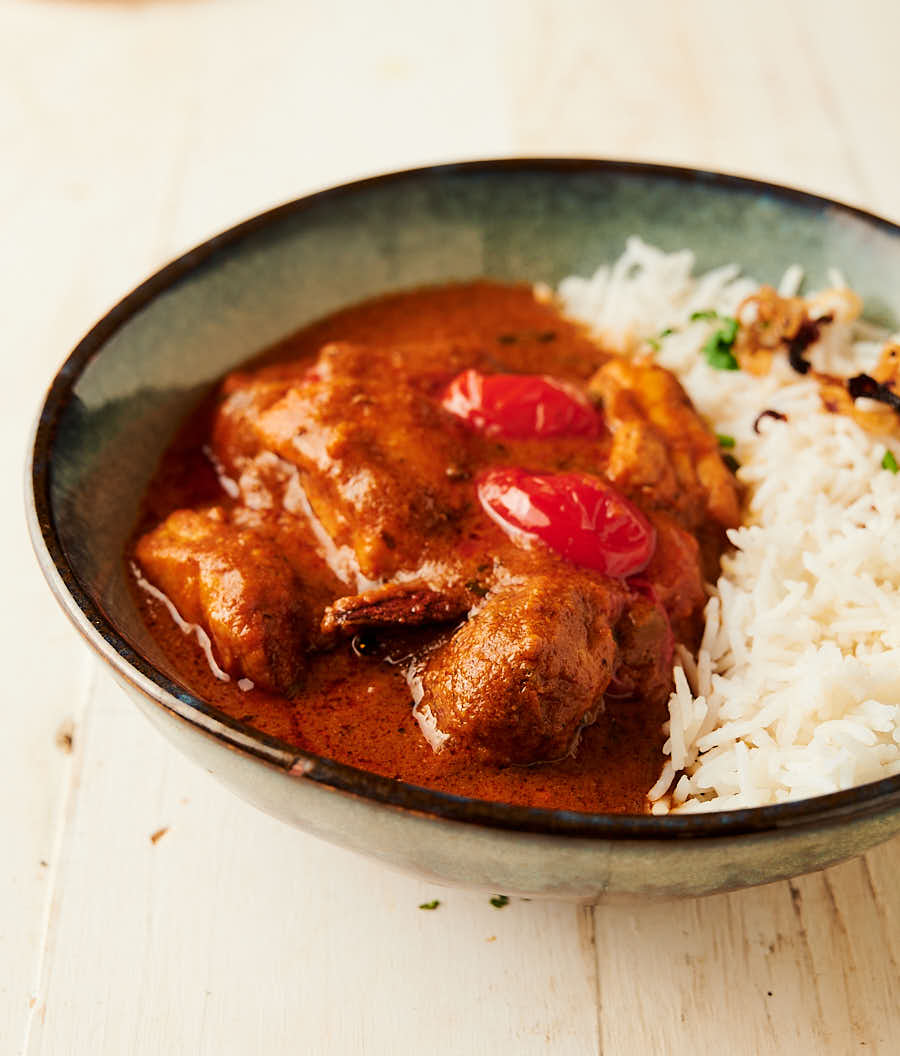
{"x":129,"y":131}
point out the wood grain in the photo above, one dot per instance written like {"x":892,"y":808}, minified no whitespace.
{"x":805,"y":966}
{"x":232,"y":930}
{"x":132,"y":131}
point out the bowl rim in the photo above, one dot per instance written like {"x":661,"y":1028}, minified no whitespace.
{"x":126,"y":663}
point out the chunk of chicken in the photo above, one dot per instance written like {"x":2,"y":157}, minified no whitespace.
{"x":661,"y":449}
{"x":372,"y":451}
{"x":238,"y":587}
{"x":676,"y":576}
{"x":645,"y":643}
{"x":245,"y":396}
{"x":518,"y":681}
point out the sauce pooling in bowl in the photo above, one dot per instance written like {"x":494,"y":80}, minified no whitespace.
{"x":319,"y":520}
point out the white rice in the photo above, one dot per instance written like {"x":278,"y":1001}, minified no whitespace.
{"x":796,"y":688}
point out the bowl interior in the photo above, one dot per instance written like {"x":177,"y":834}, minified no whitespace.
{"x":118,"y":401}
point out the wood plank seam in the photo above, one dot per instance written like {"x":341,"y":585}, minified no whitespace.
{"x":68,"y":805}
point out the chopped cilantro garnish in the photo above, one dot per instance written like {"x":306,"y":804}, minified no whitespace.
{"x":725,"y":440}
{"x":719,"y":356}
{"x":499,"y":901}
{"x":653,"y":343}
{"x":433,"y":904}
{"x":731,"y":462}
{"x":718,"y":348}
{"x":668,"y":330}
{"x":708,"y":313}
{"x":889,"y":462}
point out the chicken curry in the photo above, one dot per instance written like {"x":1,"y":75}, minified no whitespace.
{"x":445,"y":537}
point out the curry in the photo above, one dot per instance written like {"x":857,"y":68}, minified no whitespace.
{"x":445,"y":537}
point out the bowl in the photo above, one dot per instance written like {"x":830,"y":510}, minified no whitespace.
{"x":115,"y":403}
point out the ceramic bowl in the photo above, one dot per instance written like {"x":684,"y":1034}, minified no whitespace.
{"x":114,"y":405}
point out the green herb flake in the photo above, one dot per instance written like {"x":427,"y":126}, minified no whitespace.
{"x":717,"y":349}
{"x":669,"y":330}
{"x":433,"y":904}
{"x":708,"y":313}
{"x":725,"y":440}
{"x":731,"y":462}
{"x":499,"y":901}
{"x":654,"y":344}
{"x":719,"y":356}
{"x":889,"y":462}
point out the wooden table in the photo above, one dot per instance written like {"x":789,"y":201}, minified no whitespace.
{"x":143,"y":910}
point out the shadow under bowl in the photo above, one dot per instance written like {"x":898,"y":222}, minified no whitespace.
{"x":118,"y":399}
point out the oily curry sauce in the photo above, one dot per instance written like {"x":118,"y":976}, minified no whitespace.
{"x":354,"y":702}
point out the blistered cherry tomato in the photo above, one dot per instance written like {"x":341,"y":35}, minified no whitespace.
{"x":578,"y":516}
{"x":520,"y":405}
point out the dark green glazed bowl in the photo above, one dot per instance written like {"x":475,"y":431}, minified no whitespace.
{"x":117,"y":400}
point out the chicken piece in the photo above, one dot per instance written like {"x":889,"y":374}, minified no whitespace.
{"x":676,"y":577}
{"x":661,"y":449}
{"x":665,"y":605}
{"x":239,"y":588}
{"x":234,"y":441}
{"x":645,"y":643}
{"x":372,"y":449}
{"x":518,"y":680}
{"x":293,"y":540}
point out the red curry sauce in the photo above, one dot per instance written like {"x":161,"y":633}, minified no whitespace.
{"x":357,"y":709}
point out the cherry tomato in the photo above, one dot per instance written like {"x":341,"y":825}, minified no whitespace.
{"x":578,"y":516}
{"x":520,"y":405}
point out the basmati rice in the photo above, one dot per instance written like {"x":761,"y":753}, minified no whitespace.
{"x":795,"y":690}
